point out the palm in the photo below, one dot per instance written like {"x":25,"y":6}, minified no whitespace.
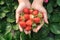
{"x":19,"y":10}
{"x":39,"y":7}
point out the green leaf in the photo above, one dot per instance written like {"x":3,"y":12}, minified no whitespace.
{"x":55,"y":28}
{"x":3,"y":26}
{"x":55,"y":17}
{"x":16,"y":35}
{"x":2,"y":15}
{"x":5,"y":9}
{"x":42,"y":33}
{"x":8,"y":36}
{"x":15,"y":27}
{"x":57,"y":37}
{"x":10,"y":20}
{"x":1,"y":2}
{"x":49,"y":38}
{"x":1,"y":37}
{"x":8,"y":28}
{"x":15,"y":5}
{"x":49,"y":8}
{"x":22,"y":36}
{"x":34,"y":26}
{"x":10,"y":17}
{"x":58,"y":2}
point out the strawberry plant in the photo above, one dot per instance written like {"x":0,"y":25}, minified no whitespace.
{"x":10,"y":31}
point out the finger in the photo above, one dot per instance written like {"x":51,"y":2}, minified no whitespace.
{"x":20,"y":28}
{"x":17,"y":17}
{"x":28,"y":5}
{"x":45,"y":17}
{"x":21,"y":6}
{"x":27,"y":32}
{"x":38,"y":27}
{"x":43,"y":10}
{"x":18,"y":10}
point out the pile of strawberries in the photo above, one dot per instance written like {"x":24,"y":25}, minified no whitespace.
{"x":30,"y":18}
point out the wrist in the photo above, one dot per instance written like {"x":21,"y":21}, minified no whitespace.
{"x":39,"y":1}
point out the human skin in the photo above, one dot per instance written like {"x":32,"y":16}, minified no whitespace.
{"x":22,"y":4}
{"x":38,"y":5}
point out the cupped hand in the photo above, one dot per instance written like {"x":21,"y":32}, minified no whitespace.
{"x":39,"y":6}
{"x":21,"y":6}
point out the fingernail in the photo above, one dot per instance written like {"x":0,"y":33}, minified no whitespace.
{"x":47,"y":22}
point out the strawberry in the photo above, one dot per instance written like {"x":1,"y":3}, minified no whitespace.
{"x":21,"y":18}
{"x":26,"y":16}
{"x":42,"y":15}
{"x":31,"y":16}
{"x":37,"y":20}
{"x":29,"y":22}
{"x":31,"y":11}
{"x":35,"y":12}
{"x":26,"y":10}
{"x":22,"y":24}
{"x":28,"y":28}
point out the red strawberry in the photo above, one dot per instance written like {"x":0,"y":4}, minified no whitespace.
{"x":31,"y":16}
{"x":29,"y":22}
{"x":42,"y":15}
{"x":28,"y":28}
{"x":26,"y":16}
{"x":22,"y":24}
{"x":37,"y":20}
{"x":21,"y":18}
{"x":26,"y":10}
{"x":35,"y":12}
{"x":31,"y":11}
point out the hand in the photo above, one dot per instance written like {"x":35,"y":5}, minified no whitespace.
{"x":22,"y":5}
{"x":39,"y":6}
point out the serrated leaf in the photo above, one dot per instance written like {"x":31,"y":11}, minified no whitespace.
{"x":22,"y":36}
{"x":1,"y":2}
{"x":55,"y":28}
{"x":1,"y":37}
{"x":8,"y":36}
{"x":57,"y":37}
{"x":5,"y":9}
{"x":15,"y":27}
{"x":58,"y":2}
{"x":49,"y":38}
{"x":34,"y":26}
{"x":15,"y":6}
{"x":42,"y":33}
{"x":10,"y":20}
{"x":2,"y":15}
{"x":8,"y":28}
{"x":49,"y":8}
{"x":10,"y":17}
{"x":55,"y":17}
{"x":16,"y":35}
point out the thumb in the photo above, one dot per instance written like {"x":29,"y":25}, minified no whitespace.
{"x":17,"y":18}
{"x":38,"y":27}
{"x":45,"y":17}
{"x":27,"y":32}
{"x":20,"y":28}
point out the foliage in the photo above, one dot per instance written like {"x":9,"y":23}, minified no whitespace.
{"x":9,"y":30}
